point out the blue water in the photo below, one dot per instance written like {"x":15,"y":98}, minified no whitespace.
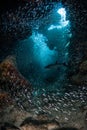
{"x":48,"y":43}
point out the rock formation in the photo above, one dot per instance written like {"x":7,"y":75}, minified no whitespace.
{"x":12,"y":82}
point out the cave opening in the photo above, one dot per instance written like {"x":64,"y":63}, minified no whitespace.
{"x":45,"y":71}
{"x":43,"y":57}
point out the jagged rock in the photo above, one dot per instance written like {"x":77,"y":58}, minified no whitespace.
{"x":9,"y":73}
{"x":83,"y":67}
{"x":13,"y":82}
{"x":78,"y":61}
{"x":5,"y":100}
{"x":85,"y":122}
{"x":13,"y":115}
{"x":39,"y":124}
{"x":8,"y":126}
{"x":79,"y":79}
{"x":67,"y":128}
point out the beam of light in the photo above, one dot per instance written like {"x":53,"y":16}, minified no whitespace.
{"x":63,"y":22}
{"x":62,"y":12}
{"x":42,"y":52}
{"x":54,"y":27}
{"x":62,"y":25}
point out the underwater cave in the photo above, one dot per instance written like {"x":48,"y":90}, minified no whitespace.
{"x":40,"y":50}
{"x":43,"y":64}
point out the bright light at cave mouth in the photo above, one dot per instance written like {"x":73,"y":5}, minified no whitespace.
{"x":63,"y":22}
{"x":62,"y":12}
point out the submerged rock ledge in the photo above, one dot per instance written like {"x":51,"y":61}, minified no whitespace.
{"x":12,"y":82}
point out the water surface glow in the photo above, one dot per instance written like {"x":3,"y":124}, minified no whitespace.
{"x":62,"y":12}
{"x":63,"y":22}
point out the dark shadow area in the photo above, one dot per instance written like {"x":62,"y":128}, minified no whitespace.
{"x":67,"y":128}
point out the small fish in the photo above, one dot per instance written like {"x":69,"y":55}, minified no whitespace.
{"x":55,"y":65}
{"x":67,"y":44}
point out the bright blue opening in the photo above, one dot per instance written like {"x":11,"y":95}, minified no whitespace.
{"x":62,"y":12}
{"x":49,"y":43}
{"x":63,"y":22}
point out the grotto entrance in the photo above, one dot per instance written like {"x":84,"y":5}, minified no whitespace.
{"x":43,"y":57}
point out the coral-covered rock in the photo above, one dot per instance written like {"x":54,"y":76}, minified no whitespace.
{"x":5,"y":100}
{"x":9,"y":73}
{"x":13,"y":82}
